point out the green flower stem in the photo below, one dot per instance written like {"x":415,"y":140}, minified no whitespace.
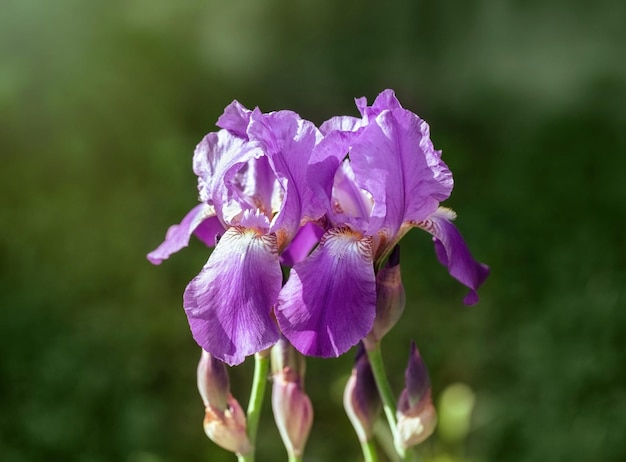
{"x":369,"y":451}
{"x":259,"y":382}
{"x":293,"y":458}
{"x":384,"y":389}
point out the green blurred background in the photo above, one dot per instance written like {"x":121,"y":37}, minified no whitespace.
{"x":101,"y":106}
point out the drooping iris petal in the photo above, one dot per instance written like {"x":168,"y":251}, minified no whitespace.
{"x":453,"y":253}
{"x":229,"y":303}
{"x":301,"y":245}
{"x":209,"y":231}
{"x":329,"y":302}
{"x":200,"y":219}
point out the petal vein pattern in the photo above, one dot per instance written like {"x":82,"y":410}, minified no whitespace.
{"x":229,"y":304}
{"x":329,"y":302}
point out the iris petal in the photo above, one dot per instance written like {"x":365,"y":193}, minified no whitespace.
{"x":301,"y":245}
{"x":394,"y":159}
{"x":235,"y":119}
{"x":200,"y":219}
{"x":229,"y":303}
{"x":452,"y":252}
{"x":329,"y":302}
{"x":288,"y":141}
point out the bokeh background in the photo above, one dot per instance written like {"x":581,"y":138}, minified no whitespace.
{"x":101,"y":106}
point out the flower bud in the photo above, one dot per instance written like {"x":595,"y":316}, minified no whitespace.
{"x":293,"y":411}
{"x":360,"y":398}
{"x":416,"y":414}
{"x":228,"y":428}
{"x":286,"y":361}
{"x":390,"y":298}
{"x":213,"y":382}
{"x":224,"y":420}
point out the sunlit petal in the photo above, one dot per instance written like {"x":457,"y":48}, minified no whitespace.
{"x":229,"y":303}
{"x":452,"y":251}
{"x":200,"y":219}
{"x":329,"y":302}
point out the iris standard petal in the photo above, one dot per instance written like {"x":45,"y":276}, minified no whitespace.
{"x":453,"y":252}
{"x":386,"y":100}
{"x":200,"y":219}
{"x":341,"y":123}
{"x":229,"y":303}
{"x":288,"y":141}
{"x":216,"y":160}
{"x":329,"y":302}
{"x":394,"y":159}
{"x":235,"y":119}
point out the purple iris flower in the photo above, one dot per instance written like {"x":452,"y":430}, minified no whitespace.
{"x":378,"y":176}
{"x":254,"y":199}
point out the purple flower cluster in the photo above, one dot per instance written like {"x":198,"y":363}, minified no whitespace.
{"x":331,"y":203}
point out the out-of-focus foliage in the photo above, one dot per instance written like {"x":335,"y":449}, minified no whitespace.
{"x":101,"y":105}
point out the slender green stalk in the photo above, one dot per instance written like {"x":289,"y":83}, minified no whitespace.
{"x":369,"y":451}
{"x":259,"y":382}
{"x":384,"y":389}
{"x":293,"y":458}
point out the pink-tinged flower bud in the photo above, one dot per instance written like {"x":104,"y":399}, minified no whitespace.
{"x":213,"y":382}
{"x":228,"y":428}
{"x":224,"y":420}
{"x":416,"y":414}
{"x":390,"y":298}
{"x":286,"y":361}
{"x":293,"y":411}
{"x":360,"y":397}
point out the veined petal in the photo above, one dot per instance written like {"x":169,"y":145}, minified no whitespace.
{"x":394,"y":159}
{"x":200,"y":219}
{"x":288,"y":141}
{"x":329,"y":302}
{"x":385,"y":100}
{"x":229,"y":303}
{"x":235,"y":119}
{"x":216,"y":161}
{"x":452,"y":252}
{"x":341,"y":123}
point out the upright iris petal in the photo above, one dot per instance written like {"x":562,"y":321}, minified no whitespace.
{"x":394,"y":159}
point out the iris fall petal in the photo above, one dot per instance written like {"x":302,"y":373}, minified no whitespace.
{"x":329,"y":302}
{"x":229,"y":303}
{"x":452,"y":251}
{"x":200,"y":219}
